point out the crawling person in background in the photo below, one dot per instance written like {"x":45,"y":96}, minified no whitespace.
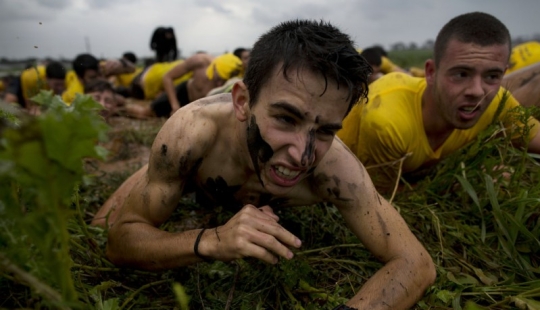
{"x":524,"y":55}
{"x":420,"y":121}
{"x":88,"y":68}
{"x":42,"y":77}
{"x":122,"y":82}
{"x":269,"y":144}
{"x":374,"y":58}
{"x":523,"y":75}
{"x":102,"y":91}
{"x":206,"y":73}
{"x":243,"y":54}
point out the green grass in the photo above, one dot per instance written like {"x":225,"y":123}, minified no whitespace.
{"x":410,"y":58}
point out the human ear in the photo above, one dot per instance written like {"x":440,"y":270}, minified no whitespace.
{"x":240,"y":98}
{"x":430,"y":71}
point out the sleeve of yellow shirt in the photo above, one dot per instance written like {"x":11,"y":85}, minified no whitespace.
{"x":351,"y":128}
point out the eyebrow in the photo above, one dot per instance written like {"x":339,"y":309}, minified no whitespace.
{"x":469,"y":68}
{"x":333,"y":127}
{"x":289,"y":108}
{"x":297,"y":113}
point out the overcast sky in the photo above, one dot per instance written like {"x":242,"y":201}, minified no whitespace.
{"x":58,"y":28}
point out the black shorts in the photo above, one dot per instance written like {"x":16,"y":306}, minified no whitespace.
{"x":162,"y":107}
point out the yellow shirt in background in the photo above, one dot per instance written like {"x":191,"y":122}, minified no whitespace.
{"x":32,"y":81}
{"x":152,"y":80}
{"x":126,"y":79}
{"x":73,"y":87}
{"x":70,"y":77}
{"x":524,"y":55}
{"x":390,"y":125}
{"x":388,"y":66}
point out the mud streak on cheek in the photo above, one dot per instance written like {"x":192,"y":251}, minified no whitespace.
{"x":258,"y":148}
{"x":307,"y":156}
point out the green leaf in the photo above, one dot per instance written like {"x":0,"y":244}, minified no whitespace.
{"x":181,"y":297}
{"x":526,"y":303}
{"x":445,"y":296}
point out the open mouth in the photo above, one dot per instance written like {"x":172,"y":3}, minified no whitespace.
{"x":286,"y":173}
{"x":283,"y":176}
{"x":469,"y":110}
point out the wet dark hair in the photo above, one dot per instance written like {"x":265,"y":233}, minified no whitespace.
{"x":99,"y":85}
{"x":84,"y":62}
{"x":372,"y":55}
{"x":475,"y":27}
{"x":55,"y":70}
{"x":316,"y":46}
{"x":131,"y":57}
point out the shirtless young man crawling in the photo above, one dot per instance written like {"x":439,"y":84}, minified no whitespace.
{"x":272,"y":142}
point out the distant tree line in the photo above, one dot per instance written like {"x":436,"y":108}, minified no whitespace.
{"x":398,"y":46}
{"x":428,"y":44}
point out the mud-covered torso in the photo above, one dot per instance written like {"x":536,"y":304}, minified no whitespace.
{"x":220,"y":170}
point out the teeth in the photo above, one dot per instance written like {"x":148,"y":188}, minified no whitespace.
{"x":468,"y":109}
{"x":287,"y":173}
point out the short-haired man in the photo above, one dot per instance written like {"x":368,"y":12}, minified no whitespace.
{"x":41,"y":77}
{"x":102,"y":91}
{"x":374,"y":58}
{"x":269,"y":143}
{"x":87,"y":69}
{"x":422,"y":120}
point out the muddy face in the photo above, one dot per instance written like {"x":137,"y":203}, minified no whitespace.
{"x":259,"y":149}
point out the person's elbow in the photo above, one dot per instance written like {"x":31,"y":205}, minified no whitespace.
{"x":115,"y":250}
{"x":425,"y":268}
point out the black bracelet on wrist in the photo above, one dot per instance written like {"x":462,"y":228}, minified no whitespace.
{"x":344,"y":307}
{"x":196,"y":245}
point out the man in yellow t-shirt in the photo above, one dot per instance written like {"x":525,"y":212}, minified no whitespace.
{"x":524,"y":55}
{"x":86,"y":68}
{"x":206,"y":73}
{"x":122,"y":82}
{"x":151,"y":80}
{"x":422,"y":120}
{"x":41,"y":77}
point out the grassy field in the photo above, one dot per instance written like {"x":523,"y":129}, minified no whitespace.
{"x":481,"y":228}
{"x":410,"y":58}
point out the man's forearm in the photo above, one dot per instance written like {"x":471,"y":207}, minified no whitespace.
{"x":398,"y":285}
{"x":143,"y":246}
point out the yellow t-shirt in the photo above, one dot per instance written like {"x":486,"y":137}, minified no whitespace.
{"x":152,"y":80}
{"x":126,"y":79}
{"x":390,"y":125}
{"x":70,"y":76}
{"x":524,"y":55}
{"x":388,"y":66}
{"x":32,"y":81}
{"x":73,"y":87}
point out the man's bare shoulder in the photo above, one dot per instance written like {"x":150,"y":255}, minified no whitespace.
{"x":340,"y":178}
{"x":201,"y":59}
{"x":192,"y":131}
